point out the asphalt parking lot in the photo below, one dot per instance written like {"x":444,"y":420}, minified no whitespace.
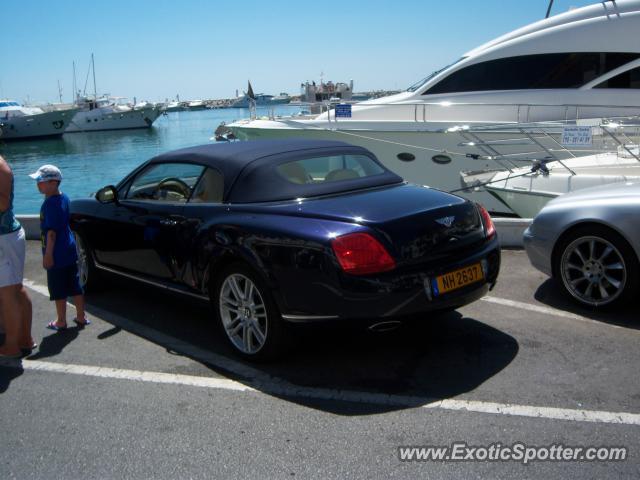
{"x":150,"y":390}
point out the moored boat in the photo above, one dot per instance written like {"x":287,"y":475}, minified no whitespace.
{"x":105,"y":113}
{"x":18,"y":122}
{"x":579,"y":65}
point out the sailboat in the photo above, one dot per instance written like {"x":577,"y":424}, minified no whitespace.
{"x":106,"y":113}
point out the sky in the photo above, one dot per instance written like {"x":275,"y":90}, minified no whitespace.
{"x":199,"y":49}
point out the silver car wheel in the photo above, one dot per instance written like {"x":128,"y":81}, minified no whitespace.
{"x":593,"y":270}
{"x":243,"y":313}
{"x":83,"y":261}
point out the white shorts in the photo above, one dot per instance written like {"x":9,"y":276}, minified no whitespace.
{"x":12,"y":254}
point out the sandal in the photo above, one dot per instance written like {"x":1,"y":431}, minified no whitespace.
{"x":82,"y":324}
{"x":54,"y":326}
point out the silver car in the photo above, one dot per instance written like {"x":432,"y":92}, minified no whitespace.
{"x":589,"y":240}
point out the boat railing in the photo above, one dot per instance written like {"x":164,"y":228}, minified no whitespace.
{"x":549,"y":141}
{"x":423,"y":112}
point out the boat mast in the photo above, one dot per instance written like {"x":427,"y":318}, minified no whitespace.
{"x":75,"y":92}
{"x":59,"y":92}
{"x":93,"y":69}
{"x":549,"y":9}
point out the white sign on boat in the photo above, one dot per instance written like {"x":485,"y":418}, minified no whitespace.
{"x":576,"y":136}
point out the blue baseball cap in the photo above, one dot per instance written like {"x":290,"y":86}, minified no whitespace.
{"x":46,"y":173}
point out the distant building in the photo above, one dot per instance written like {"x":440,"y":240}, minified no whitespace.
{"x":312,"y":92}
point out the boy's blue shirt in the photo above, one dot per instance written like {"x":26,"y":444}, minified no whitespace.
{"x":54,"y":215}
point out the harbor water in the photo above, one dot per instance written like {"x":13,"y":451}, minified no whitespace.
{"x":92,"y":160}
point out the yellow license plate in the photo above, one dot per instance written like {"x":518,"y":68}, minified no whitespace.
{"x":457,"y":279}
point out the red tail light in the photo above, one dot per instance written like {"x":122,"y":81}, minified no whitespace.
{"x":360,"y":254}
{"x":489,"y":227}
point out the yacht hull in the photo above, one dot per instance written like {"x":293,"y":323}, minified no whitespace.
{"x":42,"y":125}
{"x":438,"y":156}
{"x":526,"y":193}
{"x":108,"y":119}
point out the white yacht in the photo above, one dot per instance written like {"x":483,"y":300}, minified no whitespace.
{"x":582,"y":64}
{"x":174,"y":106}
{"x":18,"y":122}
{"x":106,"y":113}
{"x":196,"y":105}
{"x":526,"y":190}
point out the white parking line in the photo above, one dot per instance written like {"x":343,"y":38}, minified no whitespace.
{"x":544,"y":310}
{"x":286,"y":390}
{"x":260,"y":382}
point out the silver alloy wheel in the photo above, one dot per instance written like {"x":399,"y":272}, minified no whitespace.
{"x":83,"y":261}
{"x":593,"y":270}
{"x":243,"y":313}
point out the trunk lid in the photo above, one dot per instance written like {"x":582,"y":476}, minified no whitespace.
{"x":414,"y":223}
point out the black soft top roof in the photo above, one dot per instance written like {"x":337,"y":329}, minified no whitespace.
{"x":249,"y":176}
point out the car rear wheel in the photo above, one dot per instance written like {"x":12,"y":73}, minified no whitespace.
{"x":247,"y":314}
{"x":597,"y":267}
{"x":89,"y":276}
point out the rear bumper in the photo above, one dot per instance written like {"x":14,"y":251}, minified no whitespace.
{"x":393,"y":294}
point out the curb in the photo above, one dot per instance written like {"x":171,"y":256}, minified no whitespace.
{"x":31,"y":225}
{"x":509,"y":230}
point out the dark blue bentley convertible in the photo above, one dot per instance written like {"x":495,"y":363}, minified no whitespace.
{"x":273,"y":232}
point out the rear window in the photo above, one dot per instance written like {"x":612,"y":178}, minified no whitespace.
{"x":335,"y":168}
{"x":304,"y":174}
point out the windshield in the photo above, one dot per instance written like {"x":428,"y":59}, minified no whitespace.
{"x":420,"y":83}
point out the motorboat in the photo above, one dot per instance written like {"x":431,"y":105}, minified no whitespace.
{"x":18,"y":122}
{"x":281,"y":99}
{"x":527,"y":189}
{"x":526,"y":192}
{"x":261,"y":100}
{"x":579,"y":65}
{"x":107,"y":113}
{"x":174,"y":106}
{"x":585,"y":156}
{"x":196,"y":105}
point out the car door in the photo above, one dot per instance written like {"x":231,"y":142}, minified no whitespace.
{"x":194,"y":233}
{"x":143,"y":227}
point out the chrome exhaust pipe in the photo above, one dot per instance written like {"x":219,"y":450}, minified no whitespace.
{"x":385,"y":326}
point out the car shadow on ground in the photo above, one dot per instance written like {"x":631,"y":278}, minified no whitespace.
{"x":435,"y":357}
{"x":550,"y":293}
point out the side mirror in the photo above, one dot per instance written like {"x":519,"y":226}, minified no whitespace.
{"x":107,"y":194}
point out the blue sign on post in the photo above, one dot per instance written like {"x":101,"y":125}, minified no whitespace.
{"x":343,"y":110}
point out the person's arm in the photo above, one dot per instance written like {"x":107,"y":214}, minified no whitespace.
{"x":5,"y":185}
{"x":47,"y":261}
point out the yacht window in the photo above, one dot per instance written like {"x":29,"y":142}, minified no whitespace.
{"x":420,"y":83}
{"x":628,"y":79}
{"x":553,"y":70}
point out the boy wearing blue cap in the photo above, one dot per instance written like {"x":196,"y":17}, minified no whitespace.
{"x":59,"y":248}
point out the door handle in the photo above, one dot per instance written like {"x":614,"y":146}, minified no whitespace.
{"x":172,"y":220}
{"x":167,"y":222}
